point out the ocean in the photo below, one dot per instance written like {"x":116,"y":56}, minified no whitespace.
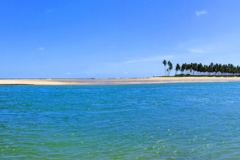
{"x":185,"y":121}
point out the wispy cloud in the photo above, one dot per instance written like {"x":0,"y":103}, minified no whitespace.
{"x":68,"y":73}
{"x":41,"y":48}
{"x":199,"y":13}
{"x":148,"y":59}
{"x":50,"y":10}
{"x":196,"y":50}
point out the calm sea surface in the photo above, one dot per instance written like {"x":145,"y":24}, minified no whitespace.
{"x":199,"y":121}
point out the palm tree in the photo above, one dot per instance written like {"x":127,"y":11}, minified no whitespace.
{"x":170,"y":67}
{"x":200,"y":68}
{"x":210,"y":68}
{"x":213,"y":69}
{"x":183,"y":68}
{"x":165,"y":64}
{"x":177,"y":68}
{"x":194,"y":67}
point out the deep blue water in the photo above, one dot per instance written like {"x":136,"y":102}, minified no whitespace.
{"x":197,"y":121}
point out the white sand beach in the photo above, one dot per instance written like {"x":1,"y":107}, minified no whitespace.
{"x":111,"y":81}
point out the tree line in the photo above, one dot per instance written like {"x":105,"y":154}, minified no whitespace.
{"x":199,"y":69}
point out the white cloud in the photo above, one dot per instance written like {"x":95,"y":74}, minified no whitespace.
{"x":201,"y":13}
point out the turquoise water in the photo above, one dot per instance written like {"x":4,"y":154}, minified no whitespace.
{"x":167,"y":121}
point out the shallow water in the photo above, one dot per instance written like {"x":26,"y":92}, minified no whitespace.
{"x":166,"y":121}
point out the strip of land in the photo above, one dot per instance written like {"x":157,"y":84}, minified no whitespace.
{"x":117,"y":81}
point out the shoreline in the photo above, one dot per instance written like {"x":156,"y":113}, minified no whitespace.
{"x":117,"y":81}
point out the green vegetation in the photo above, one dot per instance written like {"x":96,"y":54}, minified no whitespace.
{"x":198,"y":69}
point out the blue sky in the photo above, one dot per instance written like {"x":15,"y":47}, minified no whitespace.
{"x":114,"y":38}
